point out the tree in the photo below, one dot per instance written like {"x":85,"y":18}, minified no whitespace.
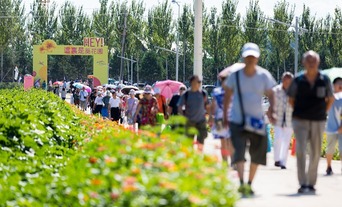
{"x":230,"y":32}
{"x":334,"y":43}
{"x":213,"y":46}
{"x":160,"y":31}
{"x":152,"y":68}
{"x":186,"y":31}
{"x":279,"y":38}
{"x":254,"y":24}
{"x":12,"y":25}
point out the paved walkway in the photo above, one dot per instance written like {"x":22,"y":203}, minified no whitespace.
{"x":278,"y":188}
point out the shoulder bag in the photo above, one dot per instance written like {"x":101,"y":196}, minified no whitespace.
{"x":249,"y":123}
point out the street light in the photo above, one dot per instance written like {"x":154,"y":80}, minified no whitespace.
{"x":296,"y":29}
{"x":171,"y":51}
{"x":177,"y":40}
{"x":198,"y":38}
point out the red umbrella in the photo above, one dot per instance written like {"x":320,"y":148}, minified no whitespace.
{"x":58,"y":83}
{"x":168,"y":87}
{"x":231,"y":69}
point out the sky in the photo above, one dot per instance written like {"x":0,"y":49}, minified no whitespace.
{"x":319,"y":7}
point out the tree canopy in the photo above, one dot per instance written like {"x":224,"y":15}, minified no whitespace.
{"x":147,"y":30}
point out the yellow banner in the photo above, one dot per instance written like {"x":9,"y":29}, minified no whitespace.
{"x":94,"y":47}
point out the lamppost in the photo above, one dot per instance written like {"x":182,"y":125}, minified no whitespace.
{"x":297,"y":30}
{"x":132,"y":62}
{"x":171,"y":51}
{"x":198,"y":38}
{"x":177,"y":40}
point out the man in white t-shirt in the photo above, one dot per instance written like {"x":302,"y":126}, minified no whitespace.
{"x":244,"y":89}
{"x":114,"y":107}
{"x":83,"y":99}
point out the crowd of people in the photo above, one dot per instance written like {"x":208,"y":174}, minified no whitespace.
{"x":298,"y":106}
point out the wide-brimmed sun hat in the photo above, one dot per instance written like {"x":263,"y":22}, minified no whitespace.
{"x":147,"y":89}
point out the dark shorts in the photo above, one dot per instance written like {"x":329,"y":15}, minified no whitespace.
{"x":115,"y":113}
{"x":201,"y":128}
{"x":257,"y":145}
{"x":98,"y":109}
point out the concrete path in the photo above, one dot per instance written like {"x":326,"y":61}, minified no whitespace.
{"x":278,"y":188}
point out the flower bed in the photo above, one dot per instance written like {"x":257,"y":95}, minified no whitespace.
{"x":85,"y":161}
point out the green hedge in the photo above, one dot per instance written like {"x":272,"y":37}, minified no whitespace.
{"x":10,"y":85}
{"x":54,"y":155}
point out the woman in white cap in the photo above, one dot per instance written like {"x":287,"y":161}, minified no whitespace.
{"x":148,"y":107}
{"x":131,"y":107}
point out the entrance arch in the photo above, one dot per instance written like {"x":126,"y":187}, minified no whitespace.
{"x":92,"y":46}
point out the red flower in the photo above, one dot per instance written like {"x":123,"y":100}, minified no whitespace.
{"x":92,"y":160}
{"x":114,"y":196}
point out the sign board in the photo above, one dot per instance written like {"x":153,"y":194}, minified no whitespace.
{"x":93,"y":46}
{"x":28,"y":82}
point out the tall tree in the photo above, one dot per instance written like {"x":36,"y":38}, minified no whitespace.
{"x":213,"y":46}
{"x":230,"y":32}
{"x":186,"y":35}
{"x":160,"y":31}
{"x":335,"y":40}
{"x":43,"y":22}
{"x":279,"y":37}
{"x":255,"y":24}
{"x":12,"y":31}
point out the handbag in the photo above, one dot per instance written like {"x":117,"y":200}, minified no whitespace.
{"x":249,"y":123}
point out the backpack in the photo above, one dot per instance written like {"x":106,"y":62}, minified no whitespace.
{"x":186,"y":95}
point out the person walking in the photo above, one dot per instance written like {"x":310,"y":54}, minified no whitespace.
{"x":131,"y":107}
{"x":244,"y":89}
{"x":311,"y":97}
{"x":76,"y":97}
{"x":105,"y":100}
{"x":83,"y":99}
{"x":148,"y":108}
{"x":173,"y":105}
{"x":283,"y":127}
{"x":114,"y":107}
{"x":63,"y":94}
{"x":195,"y":102}
{"x":216,"y":121}
{"x":334,"y":125}
{"x":98,"y":103}
{"x":162,"y":106}
{"x":44,"y":85}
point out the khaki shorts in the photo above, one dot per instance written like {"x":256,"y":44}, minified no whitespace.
{"x":257,"y":145}
{"x":201,"y":128}
{"x":331,"y":143}
{"x":83,"y":104}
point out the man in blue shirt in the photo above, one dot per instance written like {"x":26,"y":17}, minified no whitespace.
{"x":334,"y":126}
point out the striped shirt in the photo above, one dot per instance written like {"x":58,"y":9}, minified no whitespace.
{"x":282,"y":106}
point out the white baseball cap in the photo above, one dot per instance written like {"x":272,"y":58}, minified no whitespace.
{"x":250,"y":49}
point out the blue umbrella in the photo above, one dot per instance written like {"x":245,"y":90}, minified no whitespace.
{"x":78,"y":85}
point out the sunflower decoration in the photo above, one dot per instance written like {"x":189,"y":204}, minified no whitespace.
{"x":49,"y":45}
{"x":42,"y":49}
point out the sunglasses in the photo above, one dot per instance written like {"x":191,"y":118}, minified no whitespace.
{"x":182,"y":89}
